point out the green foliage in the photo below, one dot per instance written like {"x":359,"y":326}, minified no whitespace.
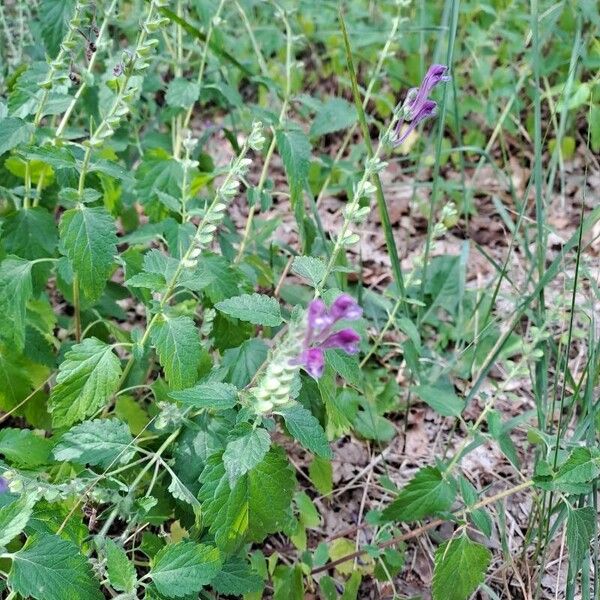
{"x":50,"y":568}
{"x":100,"y":442}
{"x":88,"y":236}
{"x":184,"y":568}
{"x":427,"y":493}
{"x":87,"y":379}
{"x":179,"y":181}
{"x":460,"y":566}
{"x":254,"y":308}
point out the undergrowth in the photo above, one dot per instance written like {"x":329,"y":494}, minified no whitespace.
{"x":188,"y":344}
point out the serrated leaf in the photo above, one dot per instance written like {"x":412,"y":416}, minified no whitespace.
{"x":178,"y":347}
{"x":101,"y":442}
{"x":581,"y":524}
{"x":441,"y":400}
{"x":121,"y":572}
{"x":244,"y":362}
{"x":335,"y":114}
{"x":180,"y":491}
{"x":23,"y":447}
{"x":460,"y":567}
{"x":425,"y":494}
{"x":254,"y":308}
{"x":15,"y":380}
{"x":258,"y":504}
{"x":582,"y":466}
{"x":86,"y":381}
{"x":245,"y":452}
{"x":30,"y":233}
{"x":309,"y":268}
{"x":182,"y":93}
{"x":51,"y":568}
{"x":294,"y":149}
{"x":14,"y":518}
{"x":54,"y":16}
{"x":184,"y":568}
{"x":152,"y":281}
{"x":306,"y":428}
{"x":214,"y":276}
{"x":13,"y":131}
{"x":212,"y":395}
{"x":237,"y":578}
{"x":90,"y":242}
{"x":16,"y":288}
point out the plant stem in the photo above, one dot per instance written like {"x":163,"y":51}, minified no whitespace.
{"x":77,"y":308}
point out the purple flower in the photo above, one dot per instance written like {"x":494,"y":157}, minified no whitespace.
{"x":428,"y":109}
{"x":345,"y":339}
{"x":313,"y":361}
{"x":319,"y":335}
{"x":3,"y":485}
{"x":345,"y":307}
{"x":417,"y":107}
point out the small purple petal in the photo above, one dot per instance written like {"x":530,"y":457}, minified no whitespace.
{"x":3,"y":485}
{"x":313,"y":361}
{"x":345,"y":307}
{"x":415,"y":100}
{"x":345,"y":339}
{"x":318,"y":317}
{"x":428,"y":109}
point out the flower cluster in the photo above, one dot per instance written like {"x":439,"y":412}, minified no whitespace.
{"x":417,"y":106}
{"x":320,"y":335}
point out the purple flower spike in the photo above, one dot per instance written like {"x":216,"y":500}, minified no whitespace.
{"x":345,"y":339}
{"x":417,"y":106}
{"x":345,"y":307}
{"x":416,"y":98}
{"x":313,"y":360}
{"x":428,"y":109}
{"x":3,"y":485}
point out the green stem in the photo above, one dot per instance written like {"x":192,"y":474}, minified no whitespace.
{"x":390,"y":242}
{"x":113,"y":515}
{"x":77,"y":307}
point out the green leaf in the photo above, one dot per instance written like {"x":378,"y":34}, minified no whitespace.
{"x":441,"y":400}
{"x":101,"y":442}
{"x":245,"y":452}
{"x":594,"y":125}
{"x":15,"y":380}
{"x":309,"y":268}
{"x":182,"y":93}
{"x":179,"y":351}
{"x":425,"y":494}
{"x":86,"y":381}
{"x":50,"y":568}
{"x":334,"y":115}
{"x":90,"y":242}
{"x":254,"y":308}
{"x":306,"y":428}
{"x":212,"y":395}
{"x":184,"y":568}
{"x":256,"y":506}
{"x":294,"y":148}
{"x":320,"y":472}
{"x":54,"y":16}
{"x":236,"y":578}
{"x":121,"y":572}
{"x":16,"y":288}
{"x":23,"y":447}
{"x":244,"y":362}
{"x":30,"y":233}
{"x":13,"y":131}
{"x":460,"y":567}
{"x":214,"y":276}
{"x":581,"y":524}
{"x":582,"y":466}
{"x":14,"y":518}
